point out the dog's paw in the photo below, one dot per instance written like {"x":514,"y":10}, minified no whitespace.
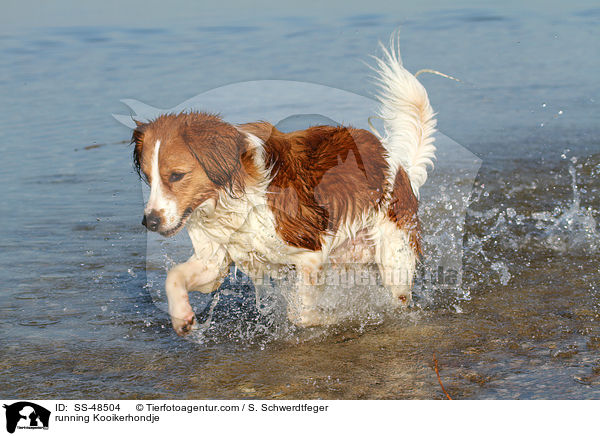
{"x":184,"y":323}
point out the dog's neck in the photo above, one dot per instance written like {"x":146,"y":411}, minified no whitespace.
{"x":221,"y":218}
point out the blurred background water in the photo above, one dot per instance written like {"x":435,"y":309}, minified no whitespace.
{"x":77,"y":317}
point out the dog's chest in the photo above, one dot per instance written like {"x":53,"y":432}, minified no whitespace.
{"x":250,"y":239}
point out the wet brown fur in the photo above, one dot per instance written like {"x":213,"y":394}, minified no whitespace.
{"x":403,"y":209}
{"x":321,"y":176}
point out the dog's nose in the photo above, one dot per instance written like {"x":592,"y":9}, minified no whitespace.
{"x":151,"y":221}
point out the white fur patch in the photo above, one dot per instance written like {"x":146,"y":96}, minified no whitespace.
{"x":160,"y":201}
{"x":395,"y":257}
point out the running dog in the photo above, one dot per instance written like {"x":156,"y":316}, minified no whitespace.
{"x":262,"y":199}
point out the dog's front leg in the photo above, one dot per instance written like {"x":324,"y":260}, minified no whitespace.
{"x":202,"y":275}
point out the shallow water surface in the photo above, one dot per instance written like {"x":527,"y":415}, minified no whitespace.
{"x":81,"y":314}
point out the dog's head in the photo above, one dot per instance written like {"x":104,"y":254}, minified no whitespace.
{"x":188,"y":160}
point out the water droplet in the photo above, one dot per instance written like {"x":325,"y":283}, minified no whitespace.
{"x":502,"y":270}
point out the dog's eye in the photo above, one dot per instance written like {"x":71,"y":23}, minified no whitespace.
{"x":175,"y":177}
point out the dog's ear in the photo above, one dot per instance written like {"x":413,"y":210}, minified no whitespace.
{"x":137,"y":140}
{"x":217,"y":146}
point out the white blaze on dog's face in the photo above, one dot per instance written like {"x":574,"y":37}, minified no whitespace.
{"x":186,"y":160}
{"x":161,"y":202}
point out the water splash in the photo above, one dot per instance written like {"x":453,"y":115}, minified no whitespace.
{"x":575,"y":229}
{"x":502,"y":269}
{"x":508,"y":231}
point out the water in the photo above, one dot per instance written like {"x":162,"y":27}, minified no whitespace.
{"x":80,"y":312}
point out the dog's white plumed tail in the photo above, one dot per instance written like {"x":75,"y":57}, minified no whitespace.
{"x":407,"y":115}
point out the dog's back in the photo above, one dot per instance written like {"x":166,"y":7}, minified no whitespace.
{"x":321,"y":178}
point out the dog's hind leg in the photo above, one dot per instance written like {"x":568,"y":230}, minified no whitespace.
{"x":396,"y":260}
{"x":202,"y":275}
{"x":398,"y":240}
